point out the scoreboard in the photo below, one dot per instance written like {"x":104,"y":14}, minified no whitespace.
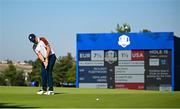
{"x":104,"y":62}
{"x":92,"y":72}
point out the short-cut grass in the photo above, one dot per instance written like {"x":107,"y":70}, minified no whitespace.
{"x":26,"y":97}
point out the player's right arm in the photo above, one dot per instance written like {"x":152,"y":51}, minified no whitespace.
{"x":40,"y":57}
{"x":38,"y":53}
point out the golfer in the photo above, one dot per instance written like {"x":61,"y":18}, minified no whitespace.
{"x":47,"y":56}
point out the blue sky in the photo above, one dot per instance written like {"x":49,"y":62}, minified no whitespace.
{"x":60,"y":20}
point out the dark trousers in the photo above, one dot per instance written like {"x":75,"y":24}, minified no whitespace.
{"x":47,"y":80}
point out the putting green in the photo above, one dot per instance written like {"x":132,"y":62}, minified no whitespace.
{"x":26,"y":97}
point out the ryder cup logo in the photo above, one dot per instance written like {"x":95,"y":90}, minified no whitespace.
{"x":124,"y":41}
{"x":110,"y":57}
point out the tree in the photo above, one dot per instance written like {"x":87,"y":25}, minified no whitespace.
{"x":13,"y":77}
{"x":72,"y":74}
{"x":28,"y":62}
{"x":57,"y":74}
{"x":124,"y":28}
{"x":62,"y":69}
{"x":20,"y":77}
{"x":35,"y":75}
{"x":2,"y":79}
{"x":10,"y":74}
{"x":9,"y":61}
{"x":145,"y":30}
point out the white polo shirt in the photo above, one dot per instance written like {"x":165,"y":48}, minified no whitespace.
{"x":41,"y":47}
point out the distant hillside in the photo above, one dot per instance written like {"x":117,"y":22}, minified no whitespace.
{"x":26,"y":68}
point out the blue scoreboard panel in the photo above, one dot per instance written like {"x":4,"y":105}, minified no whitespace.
{"x":125,"y":61}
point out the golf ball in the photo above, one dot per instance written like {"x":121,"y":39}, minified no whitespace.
{"x":97,"y":99}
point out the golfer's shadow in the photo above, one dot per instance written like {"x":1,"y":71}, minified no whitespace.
{"x":59,"y":93}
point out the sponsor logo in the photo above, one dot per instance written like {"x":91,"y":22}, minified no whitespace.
{"x":124,"y":41}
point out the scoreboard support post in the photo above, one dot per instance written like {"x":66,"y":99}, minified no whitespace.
{"x":172,"y":80}
{"x":77,"y":68}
